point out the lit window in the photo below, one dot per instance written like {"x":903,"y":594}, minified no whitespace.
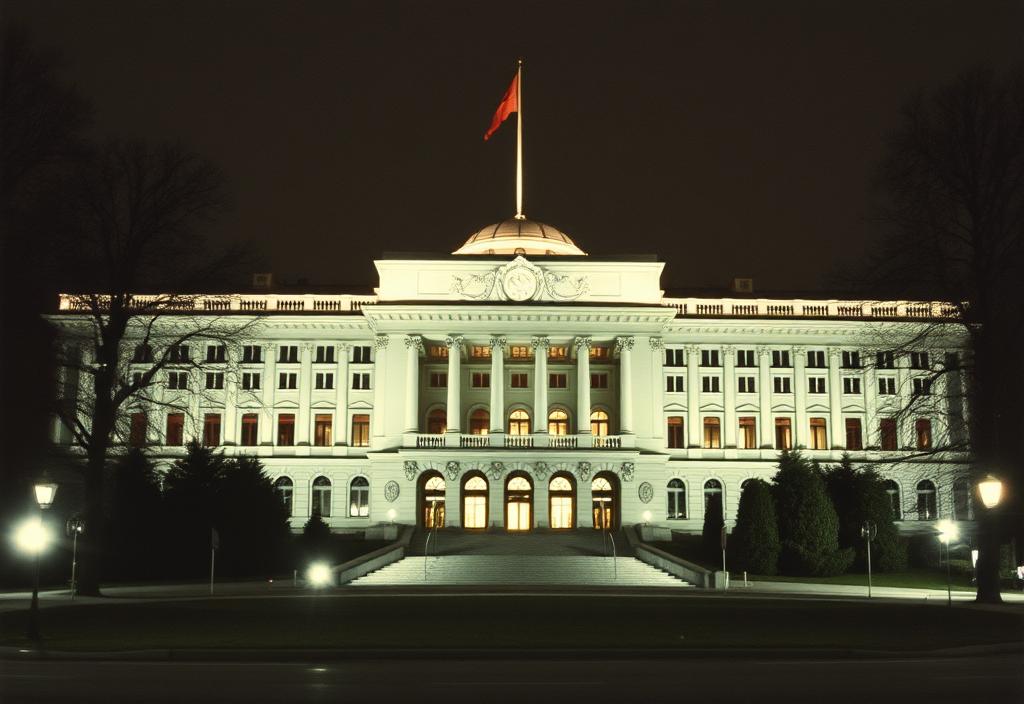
{"x":783,"y":434}
{"x":323,"y":430}
{"x":321,"y":504}
{"x":926,"y":504}
{"x":519,"y":422}
{"x":923,"y":429}
{"x":599,"y":423}
{"x":676,"y":500}
{"x":438,"y":351}
{"x":480,"y":351}
{"x":361,"y":430}
{"x":479,"y":422}
{"x":558,"y":352}
{"x":359,"y":498}
{"x":748,"y":433}
{"x":437,"y":421}
{"x":211,"y":429}
{"x":284,"y":488}
{"x":599,"y":353}
{"x":286,"y":429}
{"x":558,"y":422}
{"x":175,"y":428}
{"x":675,"y":432}
{"x":250,"y":429}
{"x":819,"y":440}
{"x":712,"y":433}
{"x":519,"y":351}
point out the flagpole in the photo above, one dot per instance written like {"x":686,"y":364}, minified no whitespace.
{"x":519,"y":142}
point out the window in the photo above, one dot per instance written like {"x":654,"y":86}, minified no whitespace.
{"x":287,"y":380}
{"x":437,"y":421}
{"x":518,"y":380}
{"x":926,"y":505}
{"x":851,"y":385}
{"x":961,"y":500}
{"x":782,"y":384}
{"x":480,"y":352}
{"x":854,"y":434}
{"x":361,"y":354}
{"x":887,"y":436}
{"x":137,"y":379}
{"x":479,"y":422}
{"x":250,"y":381}
{"x":780,"y":358}
{"x":359,"y":498}
{"x":322,"y":430}
{"x":748,"y":433}
{"x":710,"y":384}
{"x":216,"y":353}
{"x":885,"y":360}
{"x":676,"y":500}
{"x":519,"y":422}
{"x":137,"y":430}
{"x":599,"y":423}
{"x":815,"y":384}
{"x":175,"y":428}
{"x":558,"y":381}
{"x":923,"y":431}
{"x":599,"y":353}
{"x":675,"y":432}
{"x":143,"y":353}
{"x":215,"y":380}
{"x":745,"y":358}
{"x":211,"y":429}
{"x":250,"y":429}
{"x":252,"y":354}
{"x":851,"y":359}
{"x":177,"y":380}
{"x":178,"y":353}
{"x":746,"y":385}
{"x":819,"y":441}
{"x":321,"y":503}
{"x":709,"y":358}
{"x":286,"y":429}
{"x":922,"y":386}
{"x":438,"y":380}
{"x":519,"y":352}
{"x":712,"y":492}
{"x":886,"y":386}
{"x":816,"y":359}
{"x":361,"y":380}
{"x":919,"y":360}
{"x":893,"y":491}
{"x":324,"y":380}
{"x":361,"y":430}
{"x":324,"y":354}
{"x":599,"y":380}
{"x":674,"y":384}
{"x":288,"y":354}
{"x":558,"y":422}
{"x":712,"y":433}
{"x":558,"y":352}
{"x":783,"y":434}
{"x":480,"y":380}
{"x":675,"y":358}
{"x":284,"y":488}
{"x":436,"y":351}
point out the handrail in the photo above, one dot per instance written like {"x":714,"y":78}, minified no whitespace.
{"x":431,"y":534}
{"x":605,"y":537}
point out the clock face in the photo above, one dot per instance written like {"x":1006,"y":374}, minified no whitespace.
{"x":520,"y":284}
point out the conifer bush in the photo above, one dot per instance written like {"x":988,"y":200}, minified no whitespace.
{"x":755,"y":539}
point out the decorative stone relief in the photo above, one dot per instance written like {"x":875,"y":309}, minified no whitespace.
{"x":583,"y":469}
{"x":452,"y":470}
{"x":520,"y":280}
{"x":411,"y":469}
{"x":627,"y":471}
{"x":391,"y":491}
{"x":496,"y":470}
{"x":540,"y":470}
{"x":646,"y":492}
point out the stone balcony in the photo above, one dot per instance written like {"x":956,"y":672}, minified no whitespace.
{"x":543,"y":441}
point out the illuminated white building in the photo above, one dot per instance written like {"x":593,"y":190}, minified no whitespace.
{"x":520,"y":384}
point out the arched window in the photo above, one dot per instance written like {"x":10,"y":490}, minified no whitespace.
{"x":600,"y":484}
{"x":284,"y":487}
{"x":926,"y":504}
{"x":479,"y":422}
{"x":434,"y":484}
{"x":893,"y":490}
{"x":321,"y":497}
{"x":437,"y":421}
{"x":474,"y":502}
{"x":598,"y":422}
{"x":476,"y":483}
{"x":961,"y":500}
{"x":432,"y":509}
{"x":676,"y":499}
{"x":519,"y":422}
{"x":359,"y":498}
{"x":560,"y":484}
{"x":519,"y":484}
{"x":562,"y":503}
{"x":712,"y":492}
{"x":558,"y":422}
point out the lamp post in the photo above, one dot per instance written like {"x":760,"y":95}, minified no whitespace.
{"x":990,"y":491}
{"x":75,"y":527}
{"x":948,"y":532}
{"x":34,"y":537}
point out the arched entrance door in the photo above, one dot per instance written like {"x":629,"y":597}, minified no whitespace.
{"x":561,"y":502}
{"x":604,"y":492}
{"x":432,"y":500}
{"x":518,"y":503}
{"x":474,"y":502}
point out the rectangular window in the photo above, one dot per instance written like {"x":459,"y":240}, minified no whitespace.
{"x":886,"y":385}
{"x":518,"y":380}
{"x":819,"y":440}
{"x":783,"y":434}
{"x":361,"y":430}
{"x":143,"y":353}
{"x":780,"y":358}
{"x":599,"y":380}
{"x":745,"y":358}
{"x":480,"y":380}
{"x":250,"y":381}
{"x":137,"y":379}
{"x":361,"y":380}
{"x":286,"y":429}
{"x":854,"y":434}
{"x":215,"y":380}
{"x":923,"y":430}
{"x":919,"y":360}
{"x":558,"y":353}
{"x":437,"y":352}
{"x":675,"y":432}
{"x":216,"y":353}
{"x":851,"y":359}
{"x":675,"y":358}
{"x":815,"y":384}
{"x":324,"y":380}
{"x":519,"y":351}
{"x":178,"y":353}
{"x":480,"y":351}
{"x":175,"y":429}
{"x":748,"y":433}
{"x":361,"y":354}
{"x":438,"y":380}
{"x":137,"y":432}
{"x":287,"y":380}
{"x":211,"y":429}
{"x":252,"y":354}
{"x":746,"y":385}
{"x":782,"y":384}
{"x":922,"y":386}
{"x":177,"y":380}
{"x":599,"y":353}
{"x":710,"y":384}
{"x":851,"y":385}
{"x":288,"y":354}
{"x":709,"y":358}
{"x":885,"y":360}
{"x":887,"y":436}
{"x":816,"y":359}
{"x":712,"y":433}
{"x":324,"y":354}
{"x":558,"y":381}
{"x":322,"y":424}
{"x":674,"y":384}
{"x":250,"y":429}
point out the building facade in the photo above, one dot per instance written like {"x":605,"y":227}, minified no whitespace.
{"x":520,"y":384}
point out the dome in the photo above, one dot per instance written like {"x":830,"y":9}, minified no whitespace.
{"x":520,"y":236}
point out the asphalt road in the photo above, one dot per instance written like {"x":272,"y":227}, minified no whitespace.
{"x":992,"y":678}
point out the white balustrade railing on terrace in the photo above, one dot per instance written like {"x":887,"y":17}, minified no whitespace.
{"x":539,"y":441}
{"x":249,"y":303}
{"x":798,"y":308}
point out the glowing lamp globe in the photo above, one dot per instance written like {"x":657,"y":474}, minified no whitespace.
{"x":647,"y":516}
{"x":948,"y":531}
{"x":45,"y":493}
{"x":319,"y":574}
{"x":32,"y":536}
{"x":991,"y":491}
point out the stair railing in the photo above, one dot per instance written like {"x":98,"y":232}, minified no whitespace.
{"x":615,"y":559}
{"x":431,"y":534}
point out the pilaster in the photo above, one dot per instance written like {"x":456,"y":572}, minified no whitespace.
{"x":729,"y":384}
{"x":624,"y":346}
{"x":582,"y":345}
{"x":767,"y":424}
{"x":453,"y":408}
{"x":540,"y":384}
{"x":497,"y":409}
{"x":694,"y":427}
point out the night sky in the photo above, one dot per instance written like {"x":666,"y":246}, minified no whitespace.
{"x":729,"y":138}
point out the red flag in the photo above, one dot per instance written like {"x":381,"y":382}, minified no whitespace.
{"x":508,"y":105}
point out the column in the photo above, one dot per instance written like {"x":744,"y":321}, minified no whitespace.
{"x":625,"y":347}
{"x":904,"y":387}
{"x":380,"y":368}
{"x":305,"y":391}
{"x":871,"y":437}
{"x":693,"y":425}
{"x":413,"y":348}
{"x":837,"y":433}
{"x":228,"y":428}
{"x":452,"y":501}
{"x":802,"y":431}
{"x":729,"y":384}
{"x":584,"y":503}
{"x":342,"y":383}
{"x":454,"y":407}
{"x":497,"y":409}
{"x":582,"y":385}
{"x":657,"y":387}
{"x":266,"y":429}
{"x":764,"y":360}
{"x":540,"y":384}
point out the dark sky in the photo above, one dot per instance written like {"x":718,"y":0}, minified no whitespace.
{"x":730,"y":138}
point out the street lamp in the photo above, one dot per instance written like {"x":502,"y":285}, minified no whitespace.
{"x":991,"y":491}
{"x":319,"y":574}
{"x":75,"y":527}
{"x":33,"y":538}
{"x":948,"y":533}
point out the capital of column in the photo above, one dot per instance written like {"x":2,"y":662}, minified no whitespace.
{"x":763,"y":351}
{"x":453,"y":342}
{"x":729,"y":351}
{"x":581,"y":342}
{"x":308,"y":346}
{"x":380,"y":342}
{"x":414,"y":342}
{"x":692,"y":349}
{"x":799,"y":350}
{"x":624,"y":343}
{"x":540,"y":342}
{"x":834,"y":353}
{"x":343,"y":348}
{"x":656,"y":343}
{"x":498,"y":341}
